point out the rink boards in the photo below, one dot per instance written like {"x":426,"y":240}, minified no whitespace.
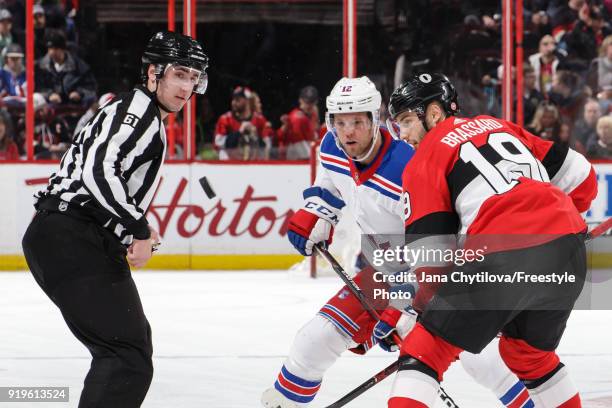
{"x":243,"y":227}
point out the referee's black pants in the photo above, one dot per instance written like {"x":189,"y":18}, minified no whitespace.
{"x":82,"y":268}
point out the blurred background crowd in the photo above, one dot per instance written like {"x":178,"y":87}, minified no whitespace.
{"x":273,"y":64}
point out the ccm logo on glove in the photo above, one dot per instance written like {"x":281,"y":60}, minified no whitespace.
{"x":324,"y":212}
{"x":315,"y":221}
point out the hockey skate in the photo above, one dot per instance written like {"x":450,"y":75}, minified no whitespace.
{"x":271,"y":398}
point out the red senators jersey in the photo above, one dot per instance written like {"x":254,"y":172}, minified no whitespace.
{"x":489,"y":176}
{"x":227,"y":124}
{"x":300,"y":126}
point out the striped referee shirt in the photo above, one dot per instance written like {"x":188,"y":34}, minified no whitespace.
{"x":113,"y":166}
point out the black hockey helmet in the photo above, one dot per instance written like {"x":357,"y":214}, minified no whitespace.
{"x":167,"y":47}
{"x":418,"y":92}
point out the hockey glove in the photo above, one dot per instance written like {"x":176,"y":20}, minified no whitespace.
{"x":314,"y":222}
{"x":393,"y":320}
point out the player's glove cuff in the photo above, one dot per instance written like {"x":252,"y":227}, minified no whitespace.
{"x":393,"y":320}
{"x":306,"y":229}
{"x":323,"y":204}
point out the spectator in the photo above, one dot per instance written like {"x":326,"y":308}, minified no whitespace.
{"x":41,"y":31}
{"x":70,"y":12}
{"x":473,"y":40}
{"x":300,"y":126}
{"x":179,"y":140}
{"x":240,"y":132}
{"x":6,"y":26}
{"x":565,"y":134}
{"x":601,"y":148}
{"x":257,"y":107}
{"x":51,"y":134}
{"x":12,"y":76}
{"x":585,"y":129}
{"x":531,"y":96}
{"x":600,"y":73}
{"x":605,"y":100}
{"x":62,"y":77}
{"x":537,"y":25}
{"x":491,"y":91}
{"x":17,"y":10}
{"x":564,"y":17}
{"x":568,"y":93}
{"x":60,"y":16}
{"x":8,"y":148}
{"x":545,"y":64}
{"x":587,"y":35}
{"x":93,"y":108}
{"x":546,"y":122}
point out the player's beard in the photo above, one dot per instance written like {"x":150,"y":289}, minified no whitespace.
{"x":360,"y":154}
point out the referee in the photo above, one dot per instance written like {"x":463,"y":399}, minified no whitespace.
{"x":90,"y":224}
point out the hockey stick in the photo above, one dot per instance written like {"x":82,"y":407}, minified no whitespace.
{"x":378,"y":377}
{"x":598,"y":230}
{"x":355,"y":290}
{"x":365,"y":303}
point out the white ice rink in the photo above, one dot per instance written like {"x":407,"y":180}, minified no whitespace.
{"x":220,"y":338}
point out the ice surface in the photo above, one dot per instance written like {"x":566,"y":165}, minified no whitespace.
{"x":220,"y":338}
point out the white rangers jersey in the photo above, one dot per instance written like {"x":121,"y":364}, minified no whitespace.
{"x":371,"y":193}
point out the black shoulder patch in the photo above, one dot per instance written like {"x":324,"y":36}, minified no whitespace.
{"x":131,"y":120}
{"x":554,"y":159}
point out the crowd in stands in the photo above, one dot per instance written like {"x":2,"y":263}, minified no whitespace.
{"x":567,"y":73}
{"x":567,"y":85}
{"x":243,"y":132}
{"x":64,"y":87}
{"x":567,"y":93}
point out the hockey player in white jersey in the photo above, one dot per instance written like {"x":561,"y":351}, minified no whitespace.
{"x":361,"y":166}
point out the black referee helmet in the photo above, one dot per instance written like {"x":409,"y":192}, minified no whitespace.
{"x":167,"y":47}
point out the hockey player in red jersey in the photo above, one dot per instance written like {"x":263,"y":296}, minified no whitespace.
{"x":487,"y":367}
{"x":484,"y":177}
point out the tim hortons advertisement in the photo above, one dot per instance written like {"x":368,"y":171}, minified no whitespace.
{"x":243,"y":227}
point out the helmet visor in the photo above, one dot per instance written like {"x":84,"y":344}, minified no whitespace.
{"x":186,"y":77}
{"x":393,"y":128}
{"x":406,"y":126}
{"x":339,"y":123}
